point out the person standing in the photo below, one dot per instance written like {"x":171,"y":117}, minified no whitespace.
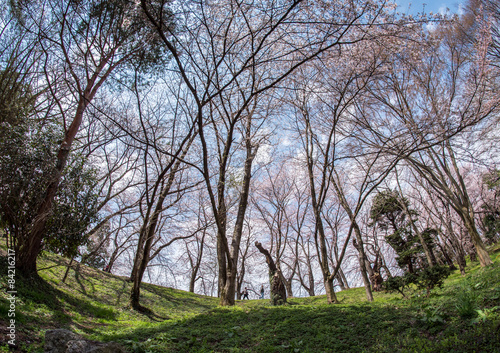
{"x":261,"y":292}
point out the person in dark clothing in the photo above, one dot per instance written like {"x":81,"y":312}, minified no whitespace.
{"x":245,"y":293}
{"x":261,"y":292}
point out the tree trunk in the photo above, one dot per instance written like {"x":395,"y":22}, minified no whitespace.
{"x":228,"y":293}
{"x":358,"y":244}
{"x":288,"y":287}
{"x":341,"y":281}
{"x":311,"y":278}
{"x":344,"y":279}
{"x":331,"y":297}
{"x":278,"y":289}
{"x":27,"y":254}
{"x":192,"y":279}
{"x":67,"y":270}
{"x":427,"y":250}
{"x":375,"y":276}
{"x":447,"y":258}
{"x":238,"y":290}
{"x":229,"y":290}
{"x":196,"y":267}
{"x":287,"y":283}
{"x":137,"y":280}
{"x":112,"y":259}
{"x":459,"y":254}
{"x":482,"y":253}
{"x":151,"y":220}
{"x":135,"y":293}
{"x":310,"y":286}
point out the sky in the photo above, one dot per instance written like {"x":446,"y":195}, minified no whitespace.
{"x":434,"y":6}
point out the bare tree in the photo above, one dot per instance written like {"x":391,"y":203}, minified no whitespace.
{"x":328,"y":136}
{"x":227,"y":54}
{"x":274,"y":202}
{"x":165,"y":136}
{"x":432,"y":93}
{"x":83,"y":43}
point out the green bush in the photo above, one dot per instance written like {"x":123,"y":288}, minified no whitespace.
{"x":427,"y":279}
{"x":398,"y":284}
{"x":431,"y":277}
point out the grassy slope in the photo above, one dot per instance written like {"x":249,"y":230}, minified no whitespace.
{"x":94,"y":303}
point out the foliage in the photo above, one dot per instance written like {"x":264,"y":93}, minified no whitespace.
{"x":427,"y":278}
{"x":431,"y":277}
{"x":16,"y":100}
{"x":433,"y":316}
{"x":398,"y":283}
{"x":75,"y":209}
{"x":95,"y":252}
{"x":405,"y":244}
{"x":27,"y":157}
{"x":388,"y":210}
{"x":491,"y":222}
{"x":391,"y":211}
{"x":466,"y":302}
{"x":492,"y":179}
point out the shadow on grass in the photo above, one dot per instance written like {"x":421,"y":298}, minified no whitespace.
{"x":41,"y":292}
{"x":278,"y":329}
{"x":327,"y":328}
{"x":143,"y":310}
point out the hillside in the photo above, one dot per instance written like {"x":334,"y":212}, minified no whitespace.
{"x":463,"y":316}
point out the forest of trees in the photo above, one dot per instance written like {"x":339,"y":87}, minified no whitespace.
{"x":309,"y":146}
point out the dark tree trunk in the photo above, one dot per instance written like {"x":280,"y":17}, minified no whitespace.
{"x":447,"y":257}
{"x":278,"y":289}
{"x":67,"y":270}
{"x":375,"y":276}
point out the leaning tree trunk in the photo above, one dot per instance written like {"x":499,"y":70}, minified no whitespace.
{"x":278,"y":290}
{"x":341,"y":281}
{"x":482,"y":253}
{"x":67,"y":270}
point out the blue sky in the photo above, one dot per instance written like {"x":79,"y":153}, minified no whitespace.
{"x":436,"y":6}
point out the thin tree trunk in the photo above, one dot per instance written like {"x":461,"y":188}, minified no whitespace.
{"x":229,"y":290}
{"x":341,"y":281}
{"x":67,"y":270}
{"x":288,"y":285}
{"x":344,"y":279}
{"x":196,"y":268}
{"x":362,"y":259}
{"x":147,"y":234}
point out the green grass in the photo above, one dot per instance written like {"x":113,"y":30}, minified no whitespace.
{"x":463,"y":316}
